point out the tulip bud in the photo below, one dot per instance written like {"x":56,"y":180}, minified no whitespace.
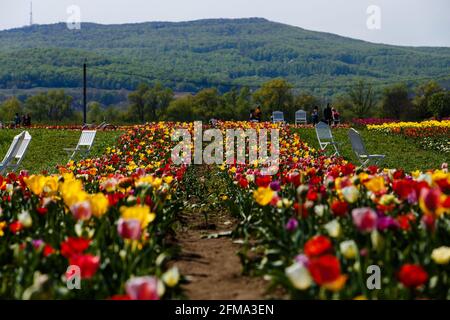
{"x":349,"y":249}
{"x":25,"y":219}
{"x":299,"y":276}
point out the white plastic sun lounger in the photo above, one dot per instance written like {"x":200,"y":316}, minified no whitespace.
{"x":16,"y":152}
{"x":84,"y":144}
{"x":360,"y":149}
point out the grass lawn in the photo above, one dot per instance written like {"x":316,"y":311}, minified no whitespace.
{"x":400,"y":152}
{"x":45,"y":151}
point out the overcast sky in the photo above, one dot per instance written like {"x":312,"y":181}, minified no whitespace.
{"x":403,"y":22}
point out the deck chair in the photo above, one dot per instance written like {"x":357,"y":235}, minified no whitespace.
{"x":16,"y":152}
{"x":360,"y":150}
{"x":300,"y":117}
{"x":277,"y":116}
{"x":325,"y":137}
{"x":84,"y":144}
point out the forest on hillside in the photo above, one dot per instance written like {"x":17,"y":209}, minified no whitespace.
{"x":190,"y":56}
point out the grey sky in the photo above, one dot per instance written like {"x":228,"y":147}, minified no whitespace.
{"x":403,"y":22}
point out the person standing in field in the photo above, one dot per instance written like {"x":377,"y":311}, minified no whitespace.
{"x":328,"y":115}
{"x":336,"y":116}
{"x":258,"y":114}
{"x":27,"y":120}
{"x":252,"y":115}
{"x":17,"y":120}
{"x":315,"y":115}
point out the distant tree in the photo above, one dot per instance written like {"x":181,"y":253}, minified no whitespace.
{"x":395,"y":102}
{"x":181,"y":109}
{"x":306,"y":101}
{"x":244,"y":104}
{"x":156,"y":100}
{"x":275,"y":95}
{"x":422,"y":99}
{"x":230,"y":105}
{"x":344,"y":105}
{"x":136,"y":98}
{"x":362,"y":99}
{"x":9,"y":108}
{"x":148,"y":103}
{"x":53,"y":105}
{"x":207,"y":104}
{"x":439,"y":104}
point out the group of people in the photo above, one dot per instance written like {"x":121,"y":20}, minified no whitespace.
{"x":24,"y":120}
{"x":255,"y":115}
{"x":330,"y":115}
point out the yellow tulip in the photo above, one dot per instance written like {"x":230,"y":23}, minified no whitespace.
{"x":35,"y":183}
{"x":141,"y":213}
{"x":263,"y":196}
{"x":99,"y":204}
{"x":375,"y":184}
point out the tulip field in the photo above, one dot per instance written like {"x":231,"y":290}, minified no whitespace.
{"x":321,"y":227}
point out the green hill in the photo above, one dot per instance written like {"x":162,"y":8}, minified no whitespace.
{"x":191,"y":55}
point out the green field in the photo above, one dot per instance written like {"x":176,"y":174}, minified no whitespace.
{"x":45,"y":151}
{"x":400,"y":152}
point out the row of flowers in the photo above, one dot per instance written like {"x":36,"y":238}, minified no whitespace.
{"x":430,"y":135}
{"x":373,"y":121}
{"x":415,"y":129}
{"x":321,"y":227}
{"x":98,"y":229}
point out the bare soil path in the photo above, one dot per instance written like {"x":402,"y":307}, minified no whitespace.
{"x":209,"y":260}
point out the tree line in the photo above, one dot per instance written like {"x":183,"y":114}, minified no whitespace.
{"x":156,"y":102}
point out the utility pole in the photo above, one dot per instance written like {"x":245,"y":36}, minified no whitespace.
{"x":84,"y":93}
{"x":31,"y":13}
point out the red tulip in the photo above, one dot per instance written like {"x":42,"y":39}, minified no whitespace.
{"x":412,"y":275}
{"x":339,"y":208}
{"x":317,"y":245}
{"x":87,"y":263}
{"x":74,"y":246}
{"x":325,"y":269}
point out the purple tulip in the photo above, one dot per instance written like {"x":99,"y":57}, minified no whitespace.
{"x":275,"y":185}
{"x":37,"y":243}
{"x":291,"y":225}
{"x":386,"y":222}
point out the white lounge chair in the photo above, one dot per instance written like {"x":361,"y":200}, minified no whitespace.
{"x":300,"y":117}
{"x":360,"y":149}
{"x":16,"y":152}
{"x":84,"y":144}
{"x":325,"y":137}
{"x":277,"y":116}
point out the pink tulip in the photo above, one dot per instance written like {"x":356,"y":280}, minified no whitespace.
{"x":129,"y":229}
{"x":142,"y":288}
{"x":81,"y":210}
{"x":365,"y":219}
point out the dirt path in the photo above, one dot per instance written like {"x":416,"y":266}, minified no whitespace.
{"x":211,"y":265}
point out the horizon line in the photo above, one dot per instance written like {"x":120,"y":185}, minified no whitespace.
{"x":230,"y":19}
